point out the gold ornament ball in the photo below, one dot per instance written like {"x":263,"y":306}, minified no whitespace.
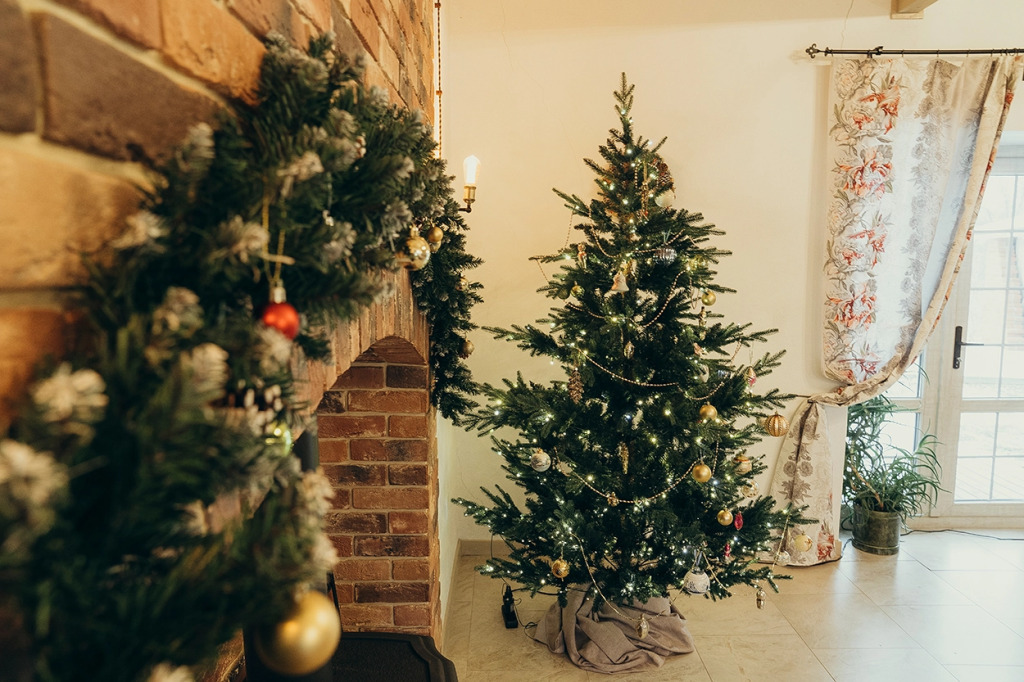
{"x":701,"y":473}
{"x":305,"y":640}
{"x":467,"y":349}
{"x":577,"y":291}
{"x":708,"y":298}
{"x":435,"y":236}
{"x":417,"y":251}
{"x":725,"y":517}
{"x":708,"y":412}
{"x":559,"y":568}
{"x":802,"y":542}
{"x":776,"y":425}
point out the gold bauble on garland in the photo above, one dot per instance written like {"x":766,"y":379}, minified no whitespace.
{"x":466,"y":349}
{"x":417,"y":251}
{"x":776,"y":425}
{"x":725,"y":517}
{"x":435,"y":235}
{"x":708,"y":298}
{"x":708,"y":412}
{"x":559,"y":568}
{"x":305,"y":640}
{"x":701,"y":473}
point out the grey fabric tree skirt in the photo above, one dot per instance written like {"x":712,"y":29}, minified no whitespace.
{"x":607,"y":641}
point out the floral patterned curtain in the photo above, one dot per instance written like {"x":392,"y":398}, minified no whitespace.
{"x":910,"y":146}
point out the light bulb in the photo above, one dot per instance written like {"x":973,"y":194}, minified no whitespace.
{"x":470,"y":168}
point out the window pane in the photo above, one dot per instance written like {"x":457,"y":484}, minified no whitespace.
{"x":981,"y":372}
{"x":985,"y":319}
{"x":973,"y":480}
{"x":902,"y":430}
{"x":988,"y":260}
{"x":997,"y":205}
{"x":1013,"y":372}
{"x":977,"y":434}
{"x":909,"y":385}
{"x":1008,"y":480}
{"x":1010,"y":438}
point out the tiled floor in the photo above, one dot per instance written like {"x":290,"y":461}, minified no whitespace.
{"x":949,"y":606}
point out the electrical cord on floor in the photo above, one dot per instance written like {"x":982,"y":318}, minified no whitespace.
{"x":964,"y":532}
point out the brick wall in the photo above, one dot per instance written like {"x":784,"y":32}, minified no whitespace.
{"x":91,"y":91}
{"x":376,"y":445}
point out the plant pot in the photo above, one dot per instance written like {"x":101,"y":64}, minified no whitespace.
{"x":876,"y":532}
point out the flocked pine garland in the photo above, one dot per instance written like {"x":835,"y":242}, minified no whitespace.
{"x":179,"y":398}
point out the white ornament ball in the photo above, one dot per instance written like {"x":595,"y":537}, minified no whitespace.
{"x":665,"y":199}
{"x":696,"y":582}
{"x":540,"y":460}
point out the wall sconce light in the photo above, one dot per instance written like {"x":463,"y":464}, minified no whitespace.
{"x":470,"y":167}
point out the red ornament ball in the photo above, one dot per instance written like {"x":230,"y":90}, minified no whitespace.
{"x":283,"y":317}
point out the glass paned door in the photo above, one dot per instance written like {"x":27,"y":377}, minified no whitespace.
{"x":980,"y":391}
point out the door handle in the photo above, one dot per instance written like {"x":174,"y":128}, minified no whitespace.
{"x":958,"y":344}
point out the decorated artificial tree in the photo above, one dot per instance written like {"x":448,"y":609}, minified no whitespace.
{"x":638,"y":471}
{"x":150,"y":505}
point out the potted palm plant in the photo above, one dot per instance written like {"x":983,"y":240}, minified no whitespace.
{"x":884,"y":484}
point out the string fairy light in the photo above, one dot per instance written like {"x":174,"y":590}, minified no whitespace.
{"x":614,"y":500}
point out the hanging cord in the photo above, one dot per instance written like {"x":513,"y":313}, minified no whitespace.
{"x":437,"y":92}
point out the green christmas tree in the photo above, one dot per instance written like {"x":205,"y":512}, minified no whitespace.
{"x":637,"y":470}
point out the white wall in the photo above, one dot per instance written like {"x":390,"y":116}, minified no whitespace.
{"x":528,"y":89}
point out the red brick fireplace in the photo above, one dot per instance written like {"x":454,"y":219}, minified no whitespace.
{"x":69,"y":147}
{"x":377,"y":448}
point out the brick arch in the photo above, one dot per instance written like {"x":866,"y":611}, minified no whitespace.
{"x":377,"y":447}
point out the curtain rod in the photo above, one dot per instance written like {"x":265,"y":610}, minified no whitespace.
{"x":813,"y":51}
